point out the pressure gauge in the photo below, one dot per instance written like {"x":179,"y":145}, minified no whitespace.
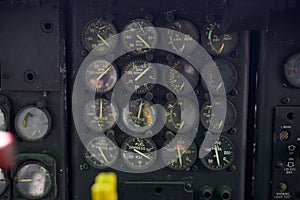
{"x":33,"y":181}
{"x":97,"y":36}
{"x":180,"y":156}
{"x":219,"y":156}
{"x":33,"y":123}
{"x":100,"y":114}
{"x":292,"y":70}
{"x":139,"y":153}
{"x":101,"y":76}
{"x":3,"y":119}
{"x":3,"y":182}
{"x":102,"y":152}
{"x":139,"y":36}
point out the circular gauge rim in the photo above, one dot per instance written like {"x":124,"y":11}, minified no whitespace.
{"x":5,"y":181}
{"x":6,"y":119}
{"x":290,"y":63}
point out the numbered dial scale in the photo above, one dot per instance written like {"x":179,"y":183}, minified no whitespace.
{"x":139,"y":153}
{"x":102,"y":152}
{"x":218,"y":156}
{"x":97,"y":36}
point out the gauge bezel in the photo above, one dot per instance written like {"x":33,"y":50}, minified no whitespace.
{"x":3,"y":110}
{"x":5,"y":181}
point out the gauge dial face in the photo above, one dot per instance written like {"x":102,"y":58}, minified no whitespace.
{"x":32,"y":123}
{"x":3,"y":182}
{"x":139,"y":153}
{"x":101,"y":152}
{"x":179,"y":43}
{"x":138,"y":76}
{"x":139,"y":36}
{"x":219,"y":156}
{"x":97,"y":36}
{"x":101,"y":76}
{"x":33,"y":181}
{"x":100,"y":115}
{"x":139,"y":116}
{"x":292,"y":70}
{"x":180,"y":156}
{"x":185,"y":120}
{"x":182,"y":69}
{"x":228,"y":73}
{"x":217,"y":43}
{"x":208,"y":117}
{"x":3,"y":120}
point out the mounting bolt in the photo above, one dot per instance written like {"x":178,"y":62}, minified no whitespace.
{"x":286,"y":100}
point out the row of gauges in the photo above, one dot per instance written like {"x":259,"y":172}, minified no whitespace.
{"x":101,"y":76}
{"x":141,"y":153}
{"x":140,"y":36}
{"x":140,"y":115}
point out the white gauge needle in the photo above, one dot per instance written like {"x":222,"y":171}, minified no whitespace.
{"x":179,"y":156}
{"x":101,"y":109}
{"x":102,"y":154}
{"x":141,"y":74}
{"x":102,"y":39}
{"x":217,"y":155}
{"x":219,"y":86}
{"x":142,"y":154}
{"x":222,"y":47}
{"x":105,"y":72}
{"x":140,"y":38}
{"x":140,"y":109}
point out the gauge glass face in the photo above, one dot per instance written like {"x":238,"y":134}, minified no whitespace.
{"x":218,"y":156}
{"x":217,"y":43}
{"x":185,"y":120}
{"x":33,"y":181}
{"x":180,"y":43}
{"x":3,"y":182}
{"x":139,"y":36}
{"x":292,"y":70}
{"x":97,"y":36}
{"x":180,"y":156}
{"x":228,"y":73}
{"x":100,"y":115}
{"x":139,"y":153}
{"x":182,"y":74}
{"x":102,"y":152}
{"x":138,"y":76}
{"x":32,"y":123}
{"x":101,"y":76}
{"x":3,"y":120}
{"x":139,"y":116}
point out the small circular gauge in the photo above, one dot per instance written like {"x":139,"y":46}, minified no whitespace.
{"x":3,"y":119}
{"x":179,"y":43}
{"x":185,"y":121}
{"x":219,"y":155}
{"x":292,"y":70}
{"x":139,"y":36}
{"x":208,"y":117}
{"x":139,"y":116}
{"x":100,"y":115}
{"x":101,"y":152}
{"x":217,"y":43}
{"x":139,"y":76}
{"x":3,"y":182}
{"x":32,"y":123}
{"x":175,"y":79}
{"x":33,"y":181}
{"x":101,"y":76}
{"x":228,"y":73}
{"x":97,"y":35}
{"x":185,"y":156}
{"x":139,"y":153}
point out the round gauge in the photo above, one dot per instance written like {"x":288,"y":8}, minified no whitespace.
{"x":182,"y":69}
{"x":3,"y":119}
{"x":139,"y":36}
{"x":180,"y":43}
{"x":217,"y":43}
{"x":138,"y":76}
{"x":185,"y":156}
{"x":97,"y":35}
{"x":139,"y":153}
{"x":219,"y":156}
{"x":33,"y":181}
{"x":32,"y":123}
{"x":101,"y":76}
{"x":292,"y":70}
{"x":101,"y":152}
{"x":3,"y":182}
{"x":208,"y":117}
{"x":100,"y":115}
{"x":185,"y":120}
{"x":139,"y":116}
{"x":228,"y":73}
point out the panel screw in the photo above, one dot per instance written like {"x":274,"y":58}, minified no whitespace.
{"x":286,"y":100}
